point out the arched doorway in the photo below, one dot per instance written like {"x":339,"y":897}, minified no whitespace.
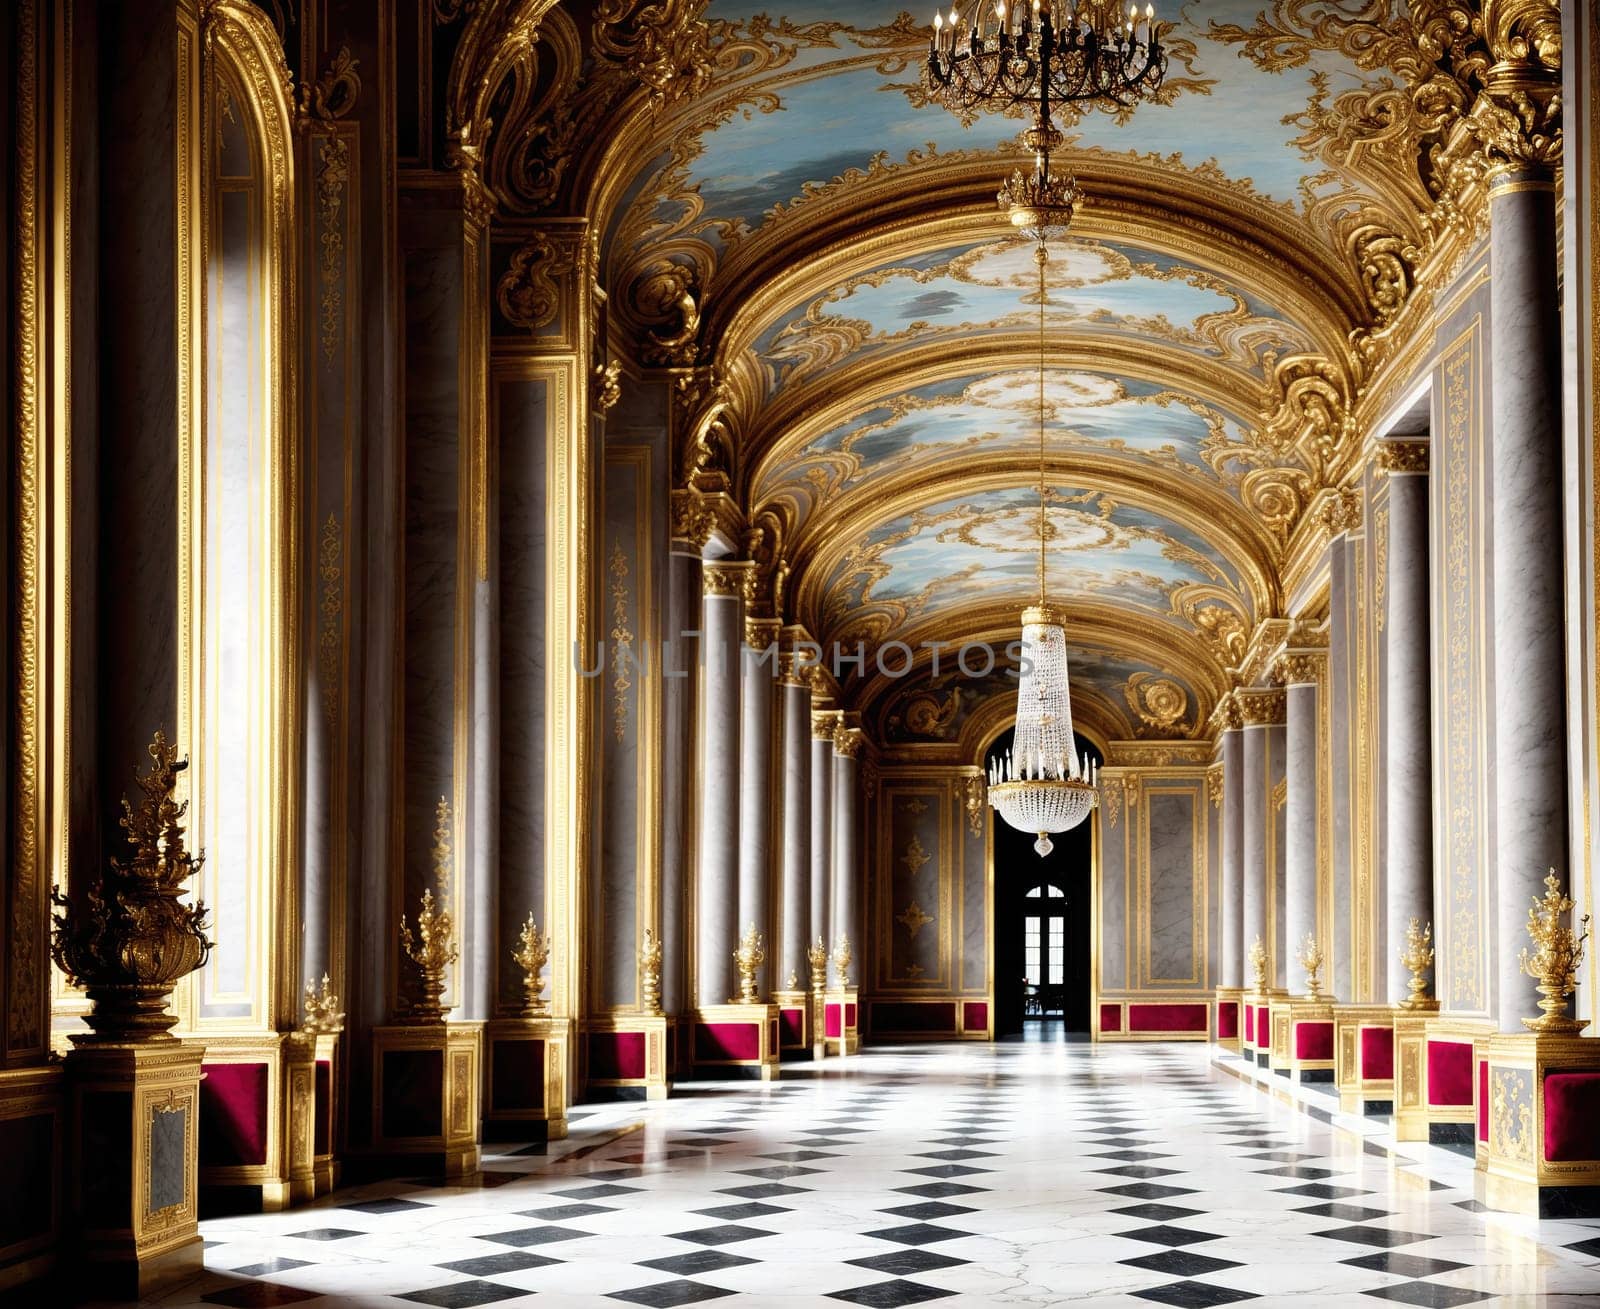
{"x":1042,"y":914}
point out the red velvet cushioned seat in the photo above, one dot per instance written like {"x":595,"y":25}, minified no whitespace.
{"x":1227,"y":1020}
{"x":1250,"y":1023}
{"x":616,"y":1054}
{"x":1449,"y":1072}
{"x":1166,"y":1017}
{"x":233,"y":1114}
{"x":1377,"y":1053}
{"x":727,"y":1041}
{"x":1313,"y":1040}
{"x":1111,"y":1018}
{"x":1571,"y":1116}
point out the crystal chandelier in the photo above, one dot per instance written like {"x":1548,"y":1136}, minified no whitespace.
{"x":1041,"y":785}
{"x":1002,"y":55}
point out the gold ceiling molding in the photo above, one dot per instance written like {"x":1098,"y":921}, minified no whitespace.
{"x":1265,"y":642}
{"x":1158,"y":754}
{"x":1301,"y":667}
{"x":1160,"y":703}
{"x":1094,"y":717}
{"x":725,"y":578}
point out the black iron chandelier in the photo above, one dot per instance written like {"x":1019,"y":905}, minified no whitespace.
{"x":1008,"y":54}
{"x":1005,"y":55}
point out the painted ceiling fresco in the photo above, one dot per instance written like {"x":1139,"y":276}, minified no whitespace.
{"x":1136,"y":699}
{"x":983,"y":548}
{"x":887,"y":375}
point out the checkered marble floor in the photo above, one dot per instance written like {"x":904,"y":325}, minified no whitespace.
{"x":1029,"y":1173}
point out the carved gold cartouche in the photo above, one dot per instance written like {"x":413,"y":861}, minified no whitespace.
{"x":125,"y":935}
{"x":1557,"y":954}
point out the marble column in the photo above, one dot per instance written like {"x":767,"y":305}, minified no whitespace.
{"x":1262,"y":712}
{"x":1232,"y":888}
{"x":759,"y":668}
{"x":679,"y":660}
{"x":716,"y":904}
{"x":1408,"y":764}
{"x":1531,"y":834}
{"x":823,"y":723}
{"x":842,"y":910}
{"x":795,"y":868}
{"x":1303,"y":671}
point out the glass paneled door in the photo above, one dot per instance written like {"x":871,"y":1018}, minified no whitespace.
{"x":1044,"y":941}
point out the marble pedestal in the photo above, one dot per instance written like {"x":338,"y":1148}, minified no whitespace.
{"x":426,"y":1093}
{"x":258,"y":1108}
{"x":1363,"y":1044}
{"x":1227,"y":1022}
{"x":796,"y":1024}
{"x":628,"y":1054}
{"x":525,"y":1064}
{"x":1435,"y":1075}
{"x":730,"y":1036}
{"x":1542,"y":1153}
{"x":841,"y":1017}
{"x":133,"y":1115}
{"x":1302,"y":1038}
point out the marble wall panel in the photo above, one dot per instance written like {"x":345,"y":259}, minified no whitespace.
{"x":520,"y":414}
{"x":920,"y":858}
{"x":975,"y":928}
{"x":1173,"y":902}
{"x":1111,"y":927}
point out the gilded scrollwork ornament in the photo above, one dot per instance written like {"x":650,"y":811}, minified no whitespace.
{"x":650,"y":973}
{"x":323,"y":1016}
{"x":335,"y":92}
{"x":529,"y":291}
{"x":125,"y":935}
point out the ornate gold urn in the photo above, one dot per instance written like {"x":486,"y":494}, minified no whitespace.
{"x":1557,"y":953}
{"x":127,"y":937}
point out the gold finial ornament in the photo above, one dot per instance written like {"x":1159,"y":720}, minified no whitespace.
{"x":126,"y":936}
{"x":1558,"y":951}
{"x":432,"y":950}
{"x":747,"y":958}
{"x":1416,"y":959}
{"x":650,"y":973}
{"x":1258,"y":965}
{"x":1311,"y":960}
{"x":531,"y":955}
{"x":323,"y":1015}
{"x":841,"y":959}
{"x":817,"y":957}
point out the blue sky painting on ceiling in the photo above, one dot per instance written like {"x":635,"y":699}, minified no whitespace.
{"x":847,"y":94}
{"x":997,"y":412}
{"x":990,"y":286}
{"x":982,"y":548}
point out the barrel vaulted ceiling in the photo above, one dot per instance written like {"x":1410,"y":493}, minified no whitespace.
{"x":872,"y":321}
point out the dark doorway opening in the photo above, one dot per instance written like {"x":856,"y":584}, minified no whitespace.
{"x":1041,"y":919}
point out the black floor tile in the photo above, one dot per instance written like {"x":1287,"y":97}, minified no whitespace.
{"x":663,"y":1294}
{"x":777,"y":1172}
{"x":1300,"y":1170}
{"x":1428,"y":1293}
{"x":561,"y":1212}
{"x":1403,"y":1265}
{"x":1591,"y":1247}
{"x":761,"y":1190}
{"x":523,"y":1237}
{"x":928,"y":1209}
{"x":752,"y":1209}
{"x":391,"y":1206}
{"x":1345,"y":1213}
{"x":941,"y":1190}
{"x":917,"y":1234}
{"x":1193,"y":1295}
{"x":325,"y":1234}
{"x":722,"y":1234}
{"x":1146,"y":1190}
{"x":1180,"y":1263}
{"x":459,"y":1295}
{"x":1169,"y":1235}
{"x":267,"y":1266}
{"x":902,"y":1263}
{"x":697,"y":1261}
{"x":1380,"y":1236}
{"x":1137,"y":1170}
{"x":947,"y":1170}
{"x":487,"y":1265}
{"x":1158,"y":1213}
{"x":1322,"y":1191}
{"x":597,"y":1192}
{"x":890,"y":1295}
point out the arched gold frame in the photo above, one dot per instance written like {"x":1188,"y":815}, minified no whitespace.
{"x":239,"y":42}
